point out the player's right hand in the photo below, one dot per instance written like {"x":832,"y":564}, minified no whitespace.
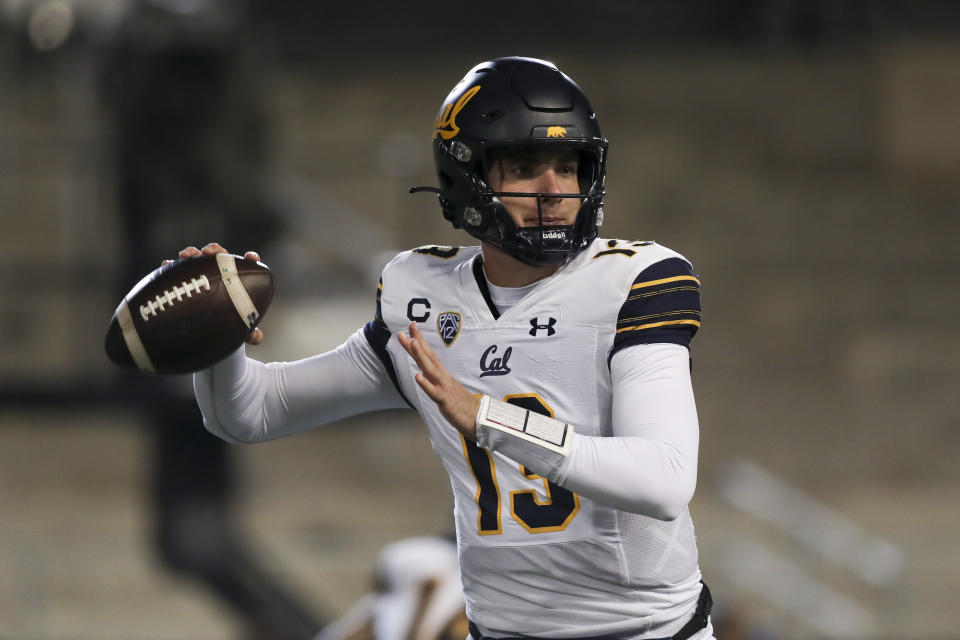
{"x":256,"y":336}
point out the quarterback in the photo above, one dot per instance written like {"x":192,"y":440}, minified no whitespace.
{"x":551,"y":368}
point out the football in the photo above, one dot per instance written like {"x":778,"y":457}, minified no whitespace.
{"x":189,"y":314}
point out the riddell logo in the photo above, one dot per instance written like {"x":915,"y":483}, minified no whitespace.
{"x":553,"y":234}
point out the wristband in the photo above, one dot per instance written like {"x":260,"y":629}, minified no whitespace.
{"x":541,"y":430}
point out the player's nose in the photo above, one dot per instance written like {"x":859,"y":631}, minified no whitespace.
{"x":548,"y":183}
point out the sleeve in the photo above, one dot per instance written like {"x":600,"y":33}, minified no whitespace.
{"x":649,"y":465}
{"x":244,"y":400}
{"x":662,"y":306}
{"x":378,"y":335}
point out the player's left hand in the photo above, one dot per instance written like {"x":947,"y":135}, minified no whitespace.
{"x":456,"y":404}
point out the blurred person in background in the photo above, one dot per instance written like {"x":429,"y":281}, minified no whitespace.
{"x":416,"y":594}
{"x":189,"y":146}
{"x":551,"y":367}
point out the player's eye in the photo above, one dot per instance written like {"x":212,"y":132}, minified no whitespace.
{"x":522,"y":170}
{"x":567,"y":169}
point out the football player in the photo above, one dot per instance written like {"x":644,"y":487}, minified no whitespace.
{"x":550,"y":366}
{"x":416,"y":596}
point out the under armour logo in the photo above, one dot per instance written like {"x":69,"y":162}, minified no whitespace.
{"x":496,"y":366}
{"x":535,"y":323}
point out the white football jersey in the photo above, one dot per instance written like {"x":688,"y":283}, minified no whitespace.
{"x":535,"y":558}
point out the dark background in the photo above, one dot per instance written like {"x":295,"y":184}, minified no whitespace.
{"x":804,"y":156}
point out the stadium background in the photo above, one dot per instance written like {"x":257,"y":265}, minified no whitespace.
{"x":804,"y":154}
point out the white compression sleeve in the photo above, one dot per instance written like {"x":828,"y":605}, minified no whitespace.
{"x":649,"y":465}
{"x":244,"y":400}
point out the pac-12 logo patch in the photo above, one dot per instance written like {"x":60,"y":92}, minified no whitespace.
{"x":448,"y":326}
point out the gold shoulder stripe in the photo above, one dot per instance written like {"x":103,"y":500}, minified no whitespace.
{"x":651,"y":283}
{"x":660,"y":315}
{"x":660,"y":324}
{"x":658,"y":292}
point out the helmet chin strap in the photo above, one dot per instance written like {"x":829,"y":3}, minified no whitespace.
{"x":519,"y":227}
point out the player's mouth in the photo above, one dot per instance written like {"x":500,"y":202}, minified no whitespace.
{"x":548,"y":221}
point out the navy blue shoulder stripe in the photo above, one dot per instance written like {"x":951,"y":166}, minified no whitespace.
{"x":662,"y":305}
{"x":378,"y":334}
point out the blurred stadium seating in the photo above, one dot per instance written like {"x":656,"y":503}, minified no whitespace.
{"x":805,"y":156}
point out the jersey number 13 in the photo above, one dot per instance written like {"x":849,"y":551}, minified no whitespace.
{"x":536,"y":515}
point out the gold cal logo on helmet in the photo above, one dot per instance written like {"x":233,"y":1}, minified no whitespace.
{"x":556,"y":132}
{"x":446,"y":123}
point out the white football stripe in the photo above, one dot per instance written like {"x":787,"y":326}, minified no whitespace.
{"x":237,"y":292}
{"x":132,"y":338}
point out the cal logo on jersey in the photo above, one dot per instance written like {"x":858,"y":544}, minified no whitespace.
{"x":448,"y":326}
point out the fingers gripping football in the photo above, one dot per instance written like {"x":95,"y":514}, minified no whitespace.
{"x":456,"y":404}
{"x":213,"y":248}
{"x":188,"y":315}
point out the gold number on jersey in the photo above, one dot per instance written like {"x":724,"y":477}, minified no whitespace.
{"x":488,"y":492}
{"x":614,"y":248}
{"x":553,"y":513}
